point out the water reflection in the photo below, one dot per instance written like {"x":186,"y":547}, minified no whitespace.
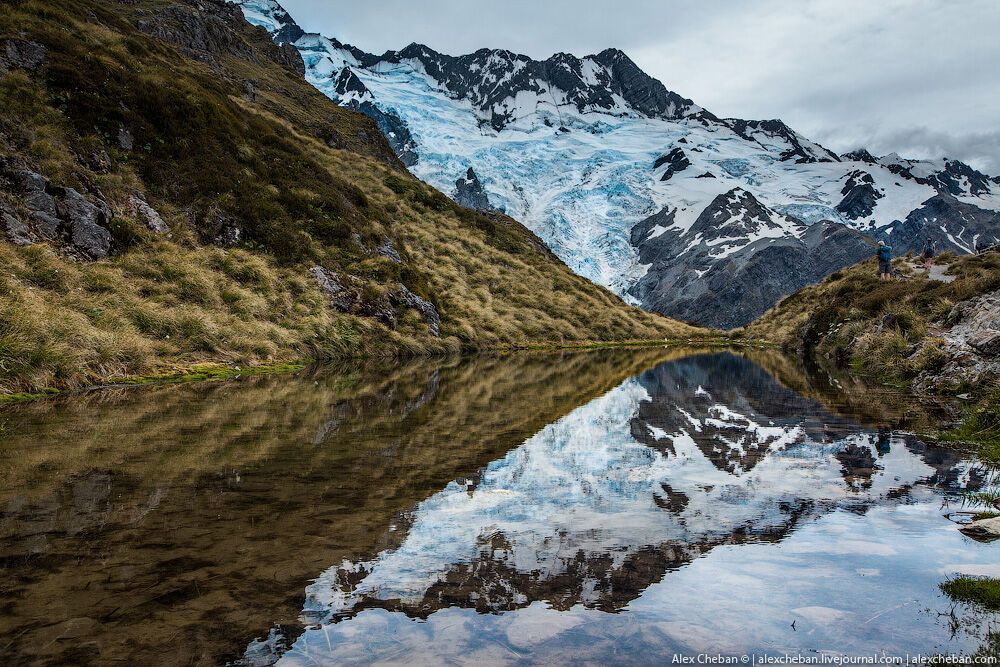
{"x":560,"y":507}
{"x":597,"y":507}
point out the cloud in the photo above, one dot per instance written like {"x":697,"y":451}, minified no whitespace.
{"x":918,"y":72}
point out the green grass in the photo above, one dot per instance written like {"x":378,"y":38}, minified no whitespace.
{"x":982,"y":591}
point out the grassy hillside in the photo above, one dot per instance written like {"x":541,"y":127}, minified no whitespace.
{"x":904,"y":332}
{"x":886,"y":330}
{"x":258,"y":178}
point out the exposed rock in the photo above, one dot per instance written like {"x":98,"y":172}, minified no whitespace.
{"x":860,"y":155}
{"x":388,"y":250}
{"x":430,"y":314}
{"x":470,"y":194}
{"x":21,"y":54}
{"x":676,"y":161}
{"x":147,"y":215}
{"x":86,"y":235}
{"x":971,"y":345}
{"x":984,"y":530}
{"x":125,"y":141}
{"x":797,"y":147}
{"x":986,"y":342}
{"x":860,"y":196}
{"x":341,"y":298}
{"x":17,"y":232}
{"x":250,"y":90}
{"x":348,"y":299}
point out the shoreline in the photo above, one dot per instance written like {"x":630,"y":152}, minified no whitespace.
{"x":208,"y":371}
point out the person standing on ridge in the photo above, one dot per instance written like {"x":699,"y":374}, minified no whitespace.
{"x":884,"y":261}
{"x":928,"y":254}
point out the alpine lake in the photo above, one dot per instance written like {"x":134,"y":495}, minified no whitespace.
{"x":605,"y":507}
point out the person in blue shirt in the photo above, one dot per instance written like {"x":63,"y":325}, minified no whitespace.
{"x":884,"y":261}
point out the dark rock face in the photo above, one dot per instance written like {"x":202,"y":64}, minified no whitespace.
{"x":860,"y":196}
{"x":797,"y":149}
{"x":470,"y":194}
{"x":860,"y":155}
{"x":57,"y":214}
{"x":16,"y":231}
{"x":347,"y":298}
{"x":676,"y":161}
{"x":955,"y":174}
{"x":206,"y":29}
{"x":967,"y":225}
{"x":735,"y":261}
{"x":21,"y":54}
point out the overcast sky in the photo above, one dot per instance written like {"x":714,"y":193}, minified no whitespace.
{"x":920,"y":77}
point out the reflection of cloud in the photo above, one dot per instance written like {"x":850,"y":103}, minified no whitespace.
{"x":972,"y":569}
{"x":821,"y":614}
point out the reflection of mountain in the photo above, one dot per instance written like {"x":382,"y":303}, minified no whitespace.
{"x":133,"y":518}
{"x":701,"y":452}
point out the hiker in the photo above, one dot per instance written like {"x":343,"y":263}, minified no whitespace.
{"x":928,"y":254}
{"x":884,"y":261}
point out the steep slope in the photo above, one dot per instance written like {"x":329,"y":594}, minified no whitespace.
{"x":584,"y":149}
{"x":173,"y":191}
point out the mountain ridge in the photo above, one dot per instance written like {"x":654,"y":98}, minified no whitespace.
{"x":566,"y":146}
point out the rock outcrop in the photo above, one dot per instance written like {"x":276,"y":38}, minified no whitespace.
{"x":469,"y":192}
{"x":347,"y":296}
{"x":970,"y":343}
{"x":58,"y":214}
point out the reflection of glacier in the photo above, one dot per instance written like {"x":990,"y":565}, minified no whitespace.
{"x":597,"y":506}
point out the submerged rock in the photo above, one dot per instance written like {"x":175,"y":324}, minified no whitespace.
{"x":984,"y":530}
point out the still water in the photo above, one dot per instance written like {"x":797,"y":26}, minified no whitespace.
{"x":607,"y":507}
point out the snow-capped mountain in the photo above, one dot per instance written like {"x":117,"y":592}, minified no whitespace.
{"x":622,"y":178}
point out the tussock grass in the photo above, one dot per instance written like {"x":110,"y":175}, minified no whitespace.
{"x":306,"y":182}
{"x":880,"y":329}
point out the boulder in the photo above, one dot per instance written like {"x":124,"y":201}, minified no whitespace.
{"x":84,"y":220}
{"x":147,"y":215}
{"x":984,"y":530}
{"x":17,"y":232}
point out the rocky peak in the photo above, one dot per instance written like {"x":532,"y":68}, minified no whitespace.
{"x":958,"y":178}
{"x":794,"y":147}
{"x":735,"y":214}
{"x":860,"y":155}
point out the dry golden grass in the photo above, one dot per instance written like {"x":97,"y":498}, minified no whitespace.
{"x":204,"y":149}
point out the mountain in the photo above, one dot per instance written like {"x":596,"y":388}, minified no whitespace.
{"x":173,"y":192}
{"x":582,"y":150}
